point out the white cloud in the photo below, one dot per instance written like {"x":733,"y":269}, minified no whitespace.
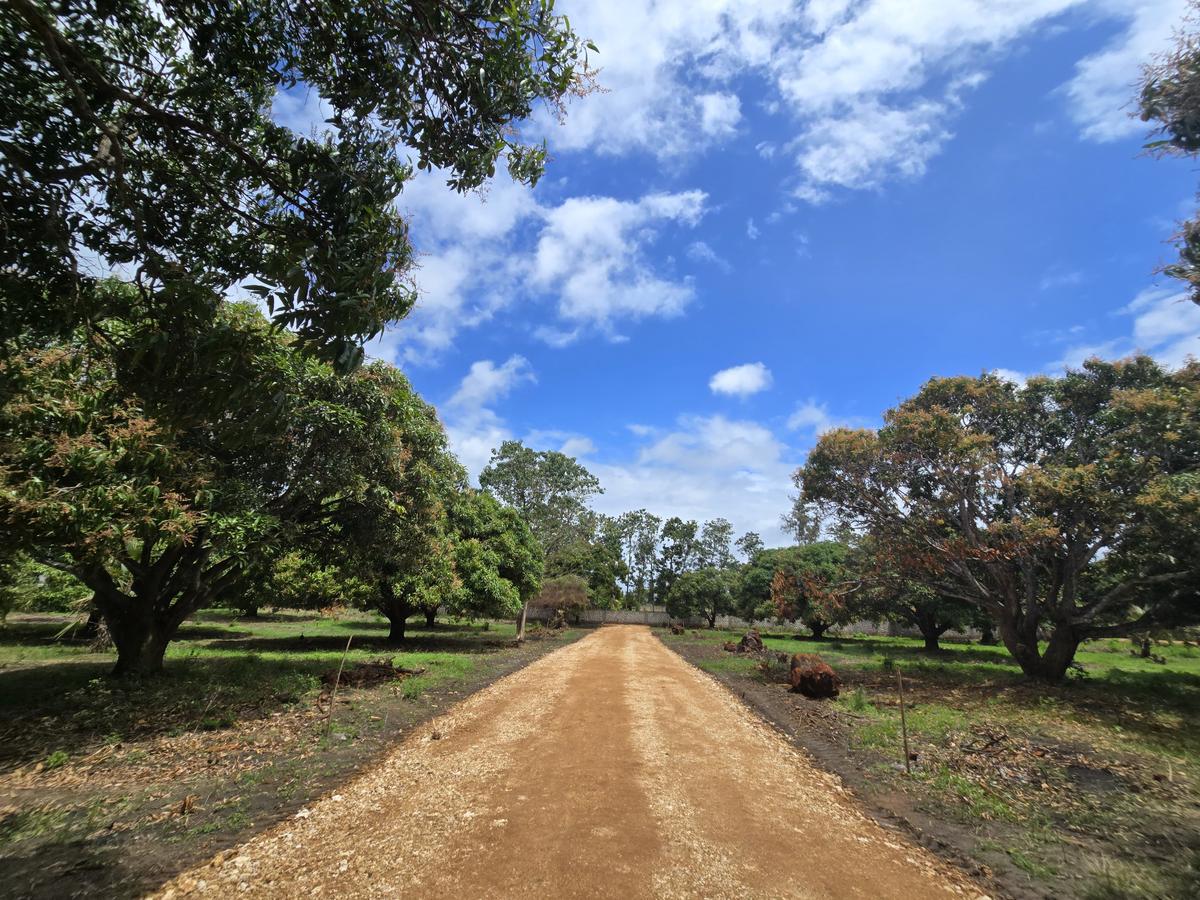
{"x":703,"y":468}
{"x":481,"y":252}
{"x":1166,"y":326}
{"x":741,"y":381}
{"x":485,"y":382}
{"x":465,"y":270}
{"x":867,"y":145}
{"x":719,"y":114}
{"x":474,"y":429}
{"x":1100,"y":96}
{"x":1059,"y":278}
{"x":813,"y":416}
{"x":590,"y":255}
{"x":576,"y":445}
{"x":871,"y":86}
{"x":666,"y":69}
{"x":702,"y":252}
{"x":869,"y":90}
{"x":1017,"y":378}
{"x":303,"y":110}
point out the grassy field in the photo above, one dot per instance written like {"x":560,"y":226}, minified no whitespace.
{"x":235,"y":735}
{"x":1087,"y":789}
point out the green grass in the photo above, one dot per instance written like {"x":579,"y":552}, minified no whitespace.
{"x":222,"y":669}
{"x":1133,"y":714}
{"x":1133,"y":704}
{"x":27,"y":824}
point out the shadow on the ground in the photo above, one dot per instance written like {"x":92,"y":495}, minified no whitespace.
{"x":325,"y":643}
{"x":1155,"y":705}
{"x":214,"y":678}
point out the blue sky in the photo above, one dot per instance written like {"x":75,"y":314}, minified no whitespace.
{"x":781,"y":217}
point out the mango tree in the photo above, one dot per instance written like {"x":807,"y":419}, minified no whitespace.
{"x":704,"y":592}
{"x":160,"y":496}
{"x":1067,"y":507}
{"x":549,"y":490}
{"x":142,"y":135}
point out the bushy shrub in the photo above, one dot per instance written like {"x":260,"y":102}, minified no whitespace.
{"x":568,"y":593}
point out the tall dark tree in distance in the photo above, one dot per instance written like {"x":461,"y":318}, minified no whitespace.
{"x":750,"y":545}
{"x":550,"y":491}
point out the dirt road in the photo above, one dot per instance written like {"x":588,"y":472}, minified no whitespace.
{"x":610,"y":768}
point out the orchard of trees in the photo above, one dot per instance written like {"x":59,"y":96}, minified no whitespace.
{"x":1048,"y":513}
{"x":163,"y":449}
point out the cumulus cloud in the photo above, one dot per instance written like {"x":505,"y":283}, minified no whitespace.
{"x":1101,"y":93}
{"x":867,"y":90}
{"x":741,"y":381}
{"x":704,"y":467}
{"x":1017,"y":378}
{"x":866,"y":145}
{"x":576,"y":445}
{"x":487,"y":382}
{"x":1165,"y":325}
{"x":872,"y":85}
{"x":482,"y":252}
{"x":473,"y":427}
{"x":590,"y":256}
{"x":667,"y":69}
{"x":719,"y":113}
{"x":814,"y":417}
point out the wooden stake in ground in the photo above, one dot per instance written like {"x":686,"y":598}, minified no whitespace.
{"x":336,"y":682}
{"x":903,"y":722}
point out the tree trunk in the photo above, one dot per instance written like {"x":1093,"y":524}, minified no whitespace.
{"x":1022,"y":643}
{"x":987,"y":633}
{"x":521,"y":624}
{"x":91,"y":627}
{"x":141,"y":643}
{"x":250,"y":612}
{"x":818,"y":629}
{"x":930,"y":630}
{"x":397,"y":612}
{"x":141,"y":626}
{"x":1145,"y":651}
{"x":430,"y":617}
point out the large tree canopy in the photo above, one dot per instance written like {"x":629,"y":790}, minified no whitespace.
{"x":1068,"y":506}
{"x":139,"y":136}
{"x":790,"y":584}
{"x":549,"y":489}
{"x":161,"y":495}
{"x":706,"y":592}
